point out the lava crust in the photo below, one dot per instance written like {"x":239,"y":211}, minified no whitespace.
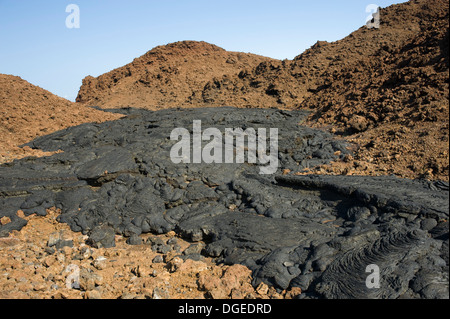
{"x":315,"y":232}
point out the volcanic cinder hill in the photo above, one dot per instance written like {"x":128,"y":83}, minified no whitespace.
{"x":190,"y":73}
{"x":385,"y":90}
{"x":173,"y":75}
{"x":28,"y":111}
{"x":393,"y":102}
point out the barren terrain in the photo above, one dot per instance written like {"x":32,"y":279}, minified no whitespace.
{"x":28,"y":111}
{"x":383,"y":93}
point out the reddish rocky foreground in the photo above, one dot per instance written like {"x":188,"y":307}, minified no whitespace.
{"x":46,"y":260}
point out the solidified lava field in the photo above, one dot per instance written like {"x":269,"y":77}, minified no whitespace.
{"x":316,"y":232}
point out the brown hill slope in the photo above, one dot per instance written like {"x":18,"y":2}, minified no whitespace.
{"x":394,"y":104}
{"x":28,"y":111}
{"x":167,"y":76}
{"x":288,"y":83}
{"x":193,"y":73}
{"x":385,"y":89}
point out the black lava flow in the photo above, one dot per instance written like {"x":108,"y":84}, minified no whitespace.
{"x":315,"y":232}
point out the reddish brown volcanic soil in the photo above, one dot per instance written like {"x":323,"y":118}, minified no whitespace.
{"x":173,"y":75}
{"x":384,"y":90}
{"x":27,"y":111}
{"x":394,"y":104}
{"x":30,"y":269}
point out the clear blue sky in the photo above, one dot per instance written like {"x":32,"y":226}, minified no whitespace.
{"x":36,"y":45}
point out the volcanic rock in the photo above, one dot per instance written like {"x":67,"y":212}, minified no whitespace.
{"x":167,"y":76}
{"x":317,"y":233}
{"x":28,"y":111}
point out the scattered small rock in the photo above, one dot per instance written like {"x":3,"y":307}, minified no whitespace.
{"x":89,"y":280}
{"x":59,"y":240}
{"x":262,"y":289}
{"x":93,"y":294}
{"x":293,"y":293}
{"x":158,"y":259}
{"x":194,"y":249}
{"x":192,"y":266}
{"x":172,"y":241}
{"x":160,"y":293}
{"x":102,"y":237}
{"x":174,"y":264}
{"x":134,"y":240}
{"x":100,"y":263}
{"x":5,"y":220}
{"x":161,"y":249}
